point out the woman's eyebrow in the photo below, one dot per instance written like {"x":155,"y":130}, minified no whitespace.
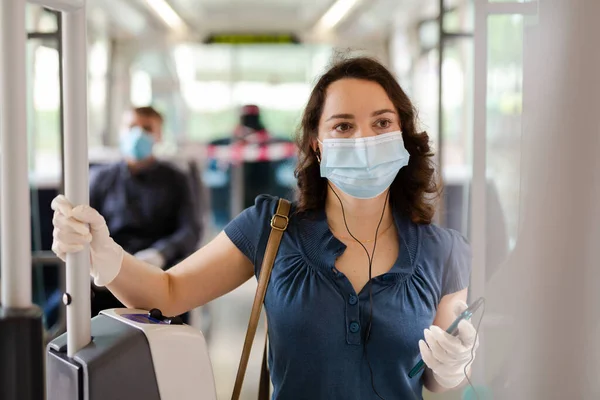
{"x":341,"y":116}
{"x":351,"y":116}
{"x":384,"y":111}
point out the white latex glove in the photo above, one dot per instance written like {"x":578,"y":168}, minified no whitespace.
{"x":151,"y":256}
{"x":74,"y":227}
{"x":447,"y":355}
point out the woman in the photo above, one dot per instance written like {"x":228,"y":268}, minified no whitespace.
{"x":362,"y":212}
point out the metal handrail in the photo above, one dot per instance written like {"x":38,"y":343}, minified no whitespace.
{"x":45,"y":257}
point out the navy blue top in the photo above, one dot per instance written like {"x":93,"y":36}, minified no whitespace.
{"x":317,"y":322}
{"x":152,"y":208}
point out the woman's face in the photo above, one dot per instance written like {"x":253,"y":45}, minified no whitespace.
{"x":357,"y":108}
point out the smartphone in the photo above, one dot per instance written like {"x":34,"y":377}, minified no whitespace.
{"x":452,"y":330}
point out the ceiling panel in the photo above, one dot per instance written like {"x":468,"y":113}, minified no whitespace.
{"x":251,"y":15}
{"x":377,"y":18}
{"x":370,"y":18}
{"x":125,"y":19}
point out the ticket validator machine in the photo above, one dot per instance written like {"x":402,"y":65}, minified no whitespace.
{"x":121,"y":354}
{"x":133,"y":354}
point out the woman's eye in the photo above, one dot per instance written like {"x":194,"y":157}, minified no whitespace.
{"x":343,"y":127}
{"x":384,"y":123}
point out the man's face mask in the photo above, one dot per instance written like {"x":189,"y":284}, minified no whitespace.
{"x":365,"y":167}
{"x":137,"y":144}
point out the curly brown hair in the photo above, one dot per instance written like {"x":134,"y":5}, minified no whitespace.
{"x":416,"y":184}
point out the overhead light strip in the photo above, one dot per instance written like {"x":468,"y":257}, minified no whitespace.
{"x":335,"y":14}
{"x":167,"y":14}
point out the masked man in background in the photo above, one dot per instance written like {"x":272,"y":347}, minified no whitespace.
{"x":147,"y":203}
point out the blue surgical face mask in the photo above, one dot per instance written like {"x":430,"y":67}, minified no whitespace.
{"x":365,"y":167}
{"x":137,"y":144}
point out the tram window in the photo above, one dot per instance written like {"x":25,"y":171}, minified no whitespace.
{"x":504,"y":132}
{"x":459,"y":16}
{"x":44,"y":111}
{"x":39,"y":19}
{"x":218,"y":79}
{"x":141,"y":88}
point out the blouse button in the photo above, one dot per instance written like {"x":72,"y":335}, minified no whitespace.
{"x":352,"y":299}
{"x":354,"y":327}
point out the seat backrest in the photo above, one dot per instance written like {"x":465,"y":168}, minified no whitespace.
{"x":200,"y":194}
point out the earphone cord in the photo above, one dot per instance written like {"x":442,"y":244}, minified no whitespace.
{"x":370,"y":258}
{"x":368,"y":332}
{"x":473,"y":352}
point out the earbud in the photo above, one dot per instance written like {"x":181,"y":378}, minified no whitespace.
{"x":318,"y":155}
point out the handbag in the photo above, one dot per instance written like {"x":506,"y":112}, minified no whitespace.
{"x":279,"y":223}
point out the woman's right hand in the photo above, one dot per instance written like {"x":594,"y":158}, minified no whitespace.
{"x":74,"y":228}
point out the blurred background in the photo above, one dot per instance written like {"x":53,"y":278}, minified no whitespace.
{"x":199,"y":62}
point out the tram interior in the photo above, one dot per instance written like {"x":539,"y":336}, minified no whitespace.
{"x":199,"y":62}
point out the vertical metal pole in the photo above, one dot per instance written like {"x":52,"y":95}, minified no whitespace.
{"x":110,"y":94}
{"x":441,"y":214}
{"x":237,"y":183}
{"x":62,"y":317}
{"x":14,"y":191}
{"x":61,"y":104}
{"x":441,"y":44}
{"x":478,"y":186}
{"x":76,"y":171}
{"x":21,"y":331}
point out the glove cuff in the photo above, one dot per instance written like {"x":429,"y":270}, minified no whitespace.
{"x":452,"y":381}
{"x":108,"y":264}
{"x":449,"y":382}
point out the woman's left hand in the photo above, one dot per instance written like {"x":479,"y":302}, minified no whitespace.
{"x":447,"y":355}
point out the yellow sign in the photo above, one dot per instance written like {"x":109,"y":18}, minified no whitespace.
{"x":263,"y":38}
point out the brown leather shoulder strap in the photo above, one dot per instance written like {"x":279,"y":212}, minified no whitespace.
{"x":279,"y":223}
